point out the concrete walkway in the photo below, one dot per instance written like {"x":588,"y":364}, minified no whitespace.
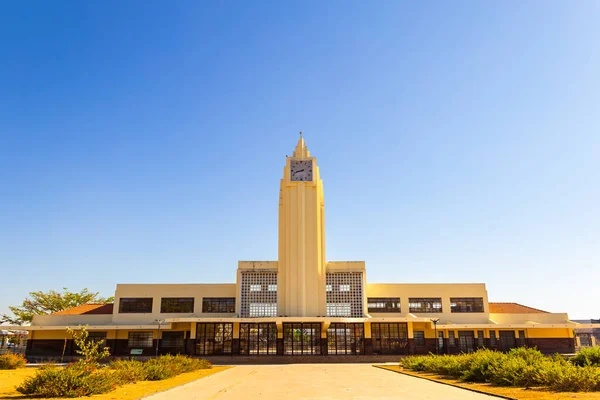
{"x":314,"y":381}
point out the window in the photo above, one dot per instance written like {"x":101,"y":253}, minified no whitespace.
{"x":258,"y":297}
{"x":339,"y":310}
{"x":425,"y":305}
{"x":135,"y":305}
{"x":218,"y":305}
{"x":480,"y":339}
{"x":139,"y":340}
{"x":344,"y":294}
{"x":172,"y":339}
{"x":383,"y":305}
{"x":97,"y":337}
{"x":466,"y":341}
{"x":262,"y":310}
{"x":419,"y":337}
{"x":466,"y":304}
{"x":177,"y":305}
{"x":492,"y":338}
{"x":451,"y":339}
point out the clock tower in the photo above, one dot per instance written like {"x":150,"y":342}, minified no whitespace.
{"x":301,"y":264}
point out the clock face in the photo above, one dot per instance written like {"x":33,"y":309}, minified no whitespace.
{"x":301,"y":170}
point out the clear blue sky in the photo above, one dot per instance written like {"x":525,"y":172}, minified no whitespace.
{"x":457,"y":141}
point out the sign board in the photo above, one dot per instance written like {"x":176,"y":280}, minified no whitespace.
{"x":136,"y":352}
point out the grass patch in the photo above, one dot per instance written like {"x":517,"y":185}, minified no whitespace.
{"x":509,"y":392}
{"x":11,"y":378}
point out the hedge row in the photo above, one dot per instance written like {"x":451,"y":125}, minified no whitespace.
{"x":81,"y":379}
{"x":522,"y":367}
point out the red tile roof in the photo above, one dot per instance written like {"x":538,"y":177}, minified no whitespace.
{"x":87,"y":309}
{"x":513,"y":308}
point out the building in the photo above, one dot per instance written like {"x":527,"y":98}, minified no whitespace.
{"x":590,"y":335}
{"x":302,"y":304}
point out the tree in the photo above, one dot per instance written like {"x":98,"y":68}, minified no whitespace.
{"x":49,"y":302}
{"x":92,"y":351}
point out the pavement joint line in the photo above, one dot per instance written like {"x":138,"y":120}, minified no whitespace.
{"x":382,"y":366}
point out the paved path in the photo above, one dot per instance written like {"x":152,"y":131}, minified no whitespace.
{"x":314,"y":381}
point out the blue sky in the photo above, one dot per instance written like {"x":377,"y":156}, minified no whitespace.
{"x":457,"y":141}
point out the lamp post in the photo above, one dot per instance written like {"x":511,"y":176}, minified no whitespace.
{"x":437,"y":340}
{"x":158,"y":322}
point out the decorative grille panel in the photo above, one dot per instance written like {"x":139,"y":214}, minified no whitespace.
{"x":258,"y":299}
{"x":345,"y":299}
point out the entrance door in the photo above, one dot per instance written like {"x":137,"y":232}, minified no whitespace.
{"x":213,"y":338}
{"x":345,"y":338}
{"x":301,"y":338}
{"x":390,"y":338}
{"x":507,"y":340}
{"x":172,"y":343}
{"x":258,"y":339}
{"x":466,"y":341}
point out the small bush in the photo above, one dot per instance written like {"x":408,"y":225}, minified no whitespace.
{"x":158,"y":371}
{"x":449,"y":365}
{"x":481,"y":365}
{"x":572,"y":378}
{"x":74,"y":380}
{"x":12,"y":361}
{"x":188,"y":364}
{"x":414,"y":363}
{"x":516,"y":371}
{"x":528,"y":354}
{"x":589,"y":356}
{"x":127,"y":371}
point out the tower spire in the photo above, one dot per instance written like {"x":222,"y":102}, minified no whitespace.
{"x":301,"y":150}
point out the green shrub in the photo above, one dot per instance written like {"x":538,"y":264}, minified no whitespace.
{"x":414,"y":363}
{"x":528,"y":354}
{"x":571,"y":378}
{"x":127,"y":371}
{"x":74,"y":380}
{"x":516,"y":371}
{"x":188,"y":364}
{"x":449,"y":365}
{"x":168,"y":366}
{"x":481,"y":365}
{"x":587,"y":356}
{"x":12,"y":361}
{"x":156,"y":371}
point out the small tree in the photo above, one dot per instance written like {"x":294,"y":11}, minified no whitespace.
{"x":92,"y":351}
{"x":49,"y":302}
